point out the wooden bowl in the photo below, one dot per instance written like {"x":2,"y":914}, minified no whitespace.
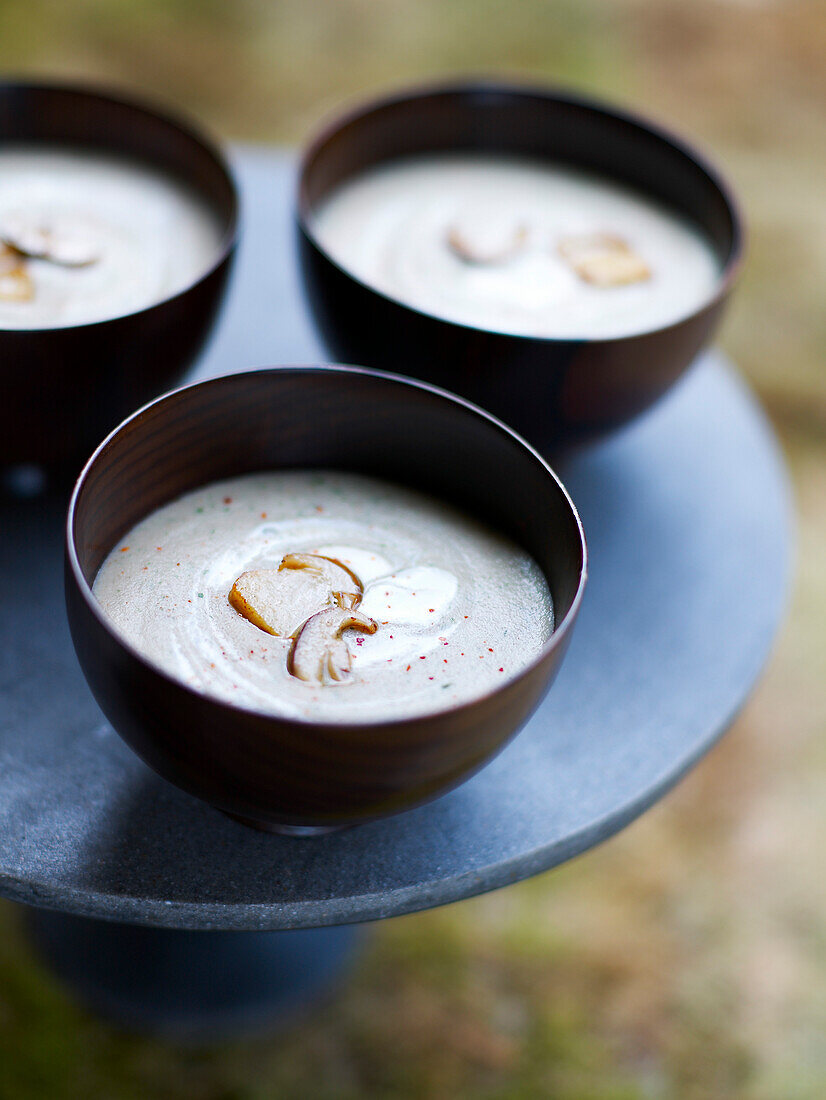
{"x":556,"y":392}
{"x":66,"y":387}
{"x":297,"y":774}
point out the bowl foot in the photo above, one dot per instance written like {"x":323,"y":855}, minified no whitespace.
{"x":286,"y":830}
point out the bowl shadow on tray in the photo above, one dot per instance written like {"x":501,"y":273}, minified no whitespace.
{"x":158,"y":847}
{"x":155,"y":849}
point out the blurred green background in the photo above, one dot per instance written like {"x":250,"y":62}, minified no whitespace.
{"x":686,"y":958}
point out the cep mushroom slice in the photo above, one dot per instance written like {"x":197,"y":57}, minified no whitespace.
{"x":278,"y":601}
{"x":319,"y":654}
{"x":486,"y":240}
{"x":67,"y":246}
{"x":603,"y":260}
{"x":15,"y":282}
{"x":346,"y":587}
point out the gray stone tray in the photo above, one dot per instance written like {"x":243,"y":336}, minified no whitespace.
{"x":687,"y":515}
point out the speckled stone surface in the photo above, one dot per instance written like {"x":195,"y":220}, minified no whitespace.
{"x":687,"y":514}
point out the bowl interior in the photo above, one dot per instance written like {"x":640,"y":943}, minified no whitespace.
{"x":529,"y":123}
{"x":32,"y":114}
{"x":341,"y":418}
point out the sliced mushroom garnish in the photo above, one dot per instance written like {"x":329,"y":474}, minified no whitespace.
{"x":15,"y":282}
{"x":346,"y":587}
{"x":603,"y":259}
{"x":488,"y":240}
{"x":65,"y":245}
{"x":319,"y":654}
{"x":311,"y":599}
{"x":279,"y":600}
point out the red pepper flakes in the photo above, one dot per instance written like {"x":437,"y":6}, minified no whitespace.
{"x":501,"y":670}
{"x":227,"y":500}
{"x":407,"y":669}
{"x":431,"y":609}
{"x":263,"y":515}
{"x":423,"y":658}
{"x":318,"y":508}
{"x":490,"y":650}
{"x":123,"y":549}
{"x":430,"y":677}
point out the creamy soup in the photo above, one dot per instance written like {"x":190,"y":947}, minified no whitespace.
{"x":245,"y":590}
{"x":86,"y":237}
{"x":517,"y":246}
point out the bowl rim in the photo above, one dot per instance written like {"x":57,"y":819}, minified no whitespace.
{"x":517,"y":87}
{"x":556,"y":638}
{"x":175,"y":120}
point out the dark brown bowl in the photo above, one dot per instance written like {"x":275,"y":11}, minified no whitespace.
{"x":64,"y":388}
{"x":556,"y":392}
{"x":297,"y":774}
